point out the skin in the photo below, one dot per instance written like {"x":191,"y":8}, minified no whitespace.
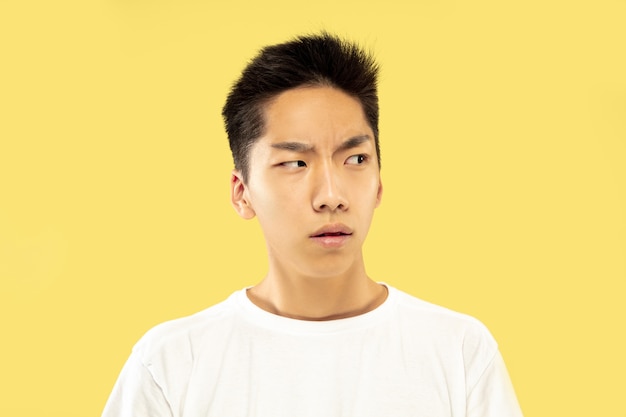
{"x":315,"y":170}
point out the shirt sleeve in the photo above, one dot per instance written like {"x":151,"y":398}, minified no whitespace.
{"x":493,"y":394}
{"x":136,"y":393}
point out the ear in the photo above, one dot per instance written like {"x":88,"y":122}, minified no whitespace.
{"x":379,"y":193}
{"x":239,"y":196}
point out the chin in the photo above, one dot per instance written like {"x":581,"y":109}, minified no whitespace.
{"x":326,"y":268}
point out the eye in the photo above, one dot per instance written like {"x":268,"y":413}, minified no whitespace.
{"x":356,"y":159}
{"x":294,"y":164}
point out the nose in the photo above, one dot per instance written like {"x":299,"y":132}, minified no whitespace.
{"x":328,"y":191}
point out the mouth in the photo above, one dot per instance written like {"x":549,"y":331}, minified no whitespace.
{"x":332,"y":236}
{"x":332,"y":230}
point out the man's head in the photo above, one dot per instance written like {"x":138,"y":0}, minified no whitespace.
{"x":308,"y":61}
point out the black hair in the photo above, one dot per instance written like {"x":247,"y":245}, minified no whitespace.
{"x":314,"y":60}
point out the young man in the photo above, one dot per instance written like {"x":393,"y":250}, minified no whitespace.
{"x":317,"y":336}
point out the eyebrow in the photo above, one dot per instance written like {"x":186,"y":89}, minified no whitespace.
{"x":293,"y":146}
{"x":353,"y":142}
{"x":301,"y":147}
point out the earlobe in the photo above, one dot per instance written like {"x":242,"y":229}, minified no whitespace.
{"x":379,"y":193}
{"x":238,"y":196}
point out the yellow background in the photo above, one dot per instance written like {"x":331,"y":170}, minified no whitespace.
{"x":503,"y":129}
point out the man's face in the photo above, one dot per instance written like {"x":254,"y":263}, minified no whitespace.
{"x":313,"y":183}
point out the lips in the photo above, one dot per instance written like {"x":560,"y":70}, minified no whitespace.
{"x":332,"y":230}
{"x":332,"y":236}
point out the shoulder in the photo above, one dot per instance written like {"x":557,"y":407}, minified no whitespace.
{"x":165,"y":355}
{"x":450,"y":332}
{"x":424,"y":313}
{"x":180,"y":337}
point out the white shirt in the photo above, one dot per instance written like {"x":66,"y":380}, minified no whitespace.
{"x":405,"y":358}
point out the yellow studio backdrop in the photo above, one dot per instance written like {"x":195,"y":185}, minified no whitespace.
{"x":503,"y":132}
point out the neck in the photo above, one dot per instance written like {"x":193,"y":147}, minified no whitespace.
{"x":318,"y":298}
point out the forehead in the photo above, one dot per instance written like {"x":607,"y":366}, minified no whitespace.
{"x":314,"y":114}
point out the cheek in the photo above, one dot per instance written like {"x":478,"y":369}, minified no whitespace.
{"x":370,"y":192}
{"x":278,"y":211}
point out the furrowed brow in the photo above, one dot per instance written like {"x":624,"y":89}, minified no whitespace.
{"x":353,"y":142}
{"x":293,"y":146}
